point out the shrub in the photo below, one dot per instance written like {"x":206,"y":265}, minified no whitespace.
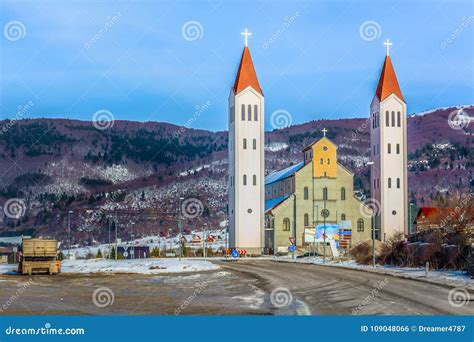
{"x":362,"y":253}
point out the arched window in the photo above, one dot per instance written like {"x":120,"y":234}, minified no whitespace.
{"x":325,"y":193}
{"x":286,"y":224}
{"x":389,"y":148}
{"x":245,"y":179}
{"x":393,"y":119}
{"x":306,"y":220}
{"x":249,"y":108}
{"x":343,"y":194}
{"x":399,"y":119}
{"x":398,"y":148}
{"x":255,"y":113}
{"x":360,"y":225}
{"x":398,"y":183}
{"x":329,"y":161}
{"x":343,"y":217}
{"x":254,"y":179}
{"x":245,"y":143}
{"x":243,"y":112}
{"x":305,"y":193}
{"x":321,"y":161}
{"x":387,"y":119}
{"x":389,"y":182}
{"x":254,"y":143}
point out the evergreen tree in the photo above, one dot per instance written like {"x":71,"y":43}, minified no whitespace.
{"x":99,"y":254}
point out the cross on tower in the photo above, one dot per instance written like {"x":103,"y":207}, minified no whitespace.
{"x":324,"y":130}
{"x":246,"y":34}
{"x":388,"y":44}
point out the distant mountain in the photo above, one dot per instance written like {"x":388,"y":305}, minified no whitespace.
{"x":136,"y":172}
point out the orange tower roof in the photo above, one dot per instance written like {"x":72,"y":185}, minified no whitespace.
{"x":388,"y":83}
{"x":246,"y":75}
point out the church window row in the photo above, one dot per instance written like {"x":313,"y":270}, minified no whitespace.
{"x":392,"y":116}
{"x":389,"y":148}
{"x":328,"y":161}
{"x":254,"y":144}
{"x":248,"y":117}
{"x":375,"y":119}
{"x":286,"y":224}
{"x":254,"y":180}
{"x":376,"y":150}
{"x":360,"y":225}
{"x":377,"y":183}
{"x":390,"y":183}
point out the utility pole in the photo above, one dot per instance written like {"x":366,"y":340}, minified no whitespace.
{"x":69,"y":233}
{"x":116,"y":240}
{"x":204,"y":241}
{"x":324,"y":230}
{"x":373,"y":237}
{"x":316,"y":228}
{"x":180,"y":228}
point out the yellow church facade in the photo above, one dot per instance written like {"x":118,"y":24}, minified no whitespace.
{"x":298,"y":198}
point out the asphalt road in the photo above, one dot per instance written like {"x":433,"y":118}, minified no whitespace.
{"x":254,"y":287}
{"x":336,"y":291}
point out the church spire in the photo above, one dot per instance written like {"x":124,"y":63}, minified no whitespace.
{"x":246,"y":75}
{"x":388,"y":83}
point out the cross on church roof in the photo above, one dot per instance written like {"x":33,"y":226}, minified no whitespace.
{"x":246,"y":34}
{"x":324,"y":130}
{"x":387,"y":43}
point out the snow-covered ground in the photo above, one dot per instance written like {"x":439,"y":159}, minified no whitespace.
{"x":451,"y":278}
{"x":142,"y":266}
{"x":8,"y":268}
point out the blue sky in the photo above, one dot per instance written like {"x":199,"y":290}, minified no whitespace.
{"x":313,"y":59}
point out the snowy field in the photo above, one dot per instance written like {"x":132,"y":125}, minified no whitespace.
{"x":142,"y":266}
{"x":451,"y":278}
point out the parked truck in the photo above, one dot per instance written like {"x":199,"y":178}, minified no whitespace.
{"x":38,"y":256}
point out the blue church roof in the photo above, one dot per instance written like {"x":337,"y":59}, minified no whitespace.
{"x":272,"y":203}
{"x":282,"y":174}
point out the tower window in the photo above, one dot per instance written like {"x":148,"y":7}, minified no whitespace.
{"x":360,"y":225}
{"x":393,"y":119}
{"x":245,"y":179}
{"x":343,"y":194}
{"x":249,"y":108}
{"x":398,"y":183}
{"x":325,"y":193}
{"x":389,"y":148}
{"x":306,"y":220}
{"x":399,"y":119}
{"x":286,"y":224}
{"x":255,"y":113}
{"x":254,"y":143}
{"x":389,"y":182}
{"x":245,"y":143}
{"x":387,"y":118}
{"x":343,"y":217}
{"x":231,"y":114}
{"x":243,"y":112}
{"x":398,"y":148}
{"x":254,"y":179}
{"x":305,"y":193}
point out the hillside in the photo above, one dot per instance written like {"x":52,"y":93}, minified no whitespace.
{"x":135,"y":172}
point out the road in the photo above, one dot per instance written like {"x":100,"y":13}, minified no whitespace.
{"x":238,"y":288}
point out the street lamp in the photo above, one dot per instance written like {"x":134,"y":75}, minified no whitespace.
{"x":409,"y":219}
{"x":204,"y":241}
{"x":180,"y":228}
{"x":69,"y":232}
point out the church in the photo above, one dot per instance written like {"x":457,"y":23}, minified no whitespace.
{"x":312,"y":203}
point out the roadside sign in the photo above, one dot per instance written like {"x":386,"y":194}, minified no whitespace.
{"x":292,"y":248}
{"x":15,"y":249}
{"x":235,"y":253}
{"x":125,"y":254}
{"x":325,"y":213}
